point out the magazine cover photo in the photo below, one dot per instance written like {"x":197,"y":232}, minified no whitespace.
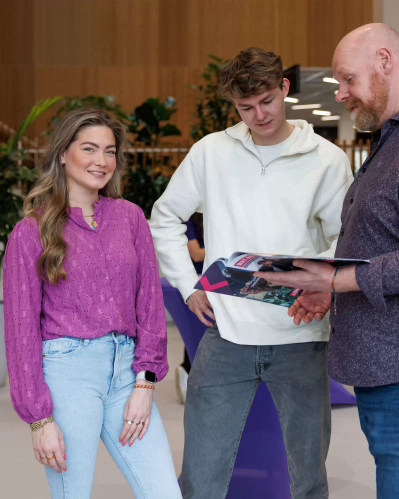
{"x":234,"y":277}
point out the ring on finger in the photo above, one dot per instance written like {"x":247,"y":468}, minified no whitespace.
{"x":127,"y":421}
{"x":50,"y":458}
{"x":43,"y":458}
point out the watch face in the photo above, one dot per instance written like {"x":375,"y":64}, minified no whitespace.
{"x":150,"y":376}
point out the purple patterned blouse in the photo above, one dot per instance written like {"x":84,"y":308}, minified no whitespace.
{"x":113,"y":285}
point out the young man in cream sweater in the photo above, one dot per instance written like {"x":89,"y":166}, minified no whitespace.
{"x":265,"y":185}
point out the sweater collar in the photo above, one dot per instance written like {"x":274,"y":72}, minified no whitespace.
{"x":305,"y":142}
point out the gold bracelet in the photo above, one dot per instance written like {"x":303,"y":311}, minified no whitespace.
{"x":150,"y":387}
{"x":39,"y":424}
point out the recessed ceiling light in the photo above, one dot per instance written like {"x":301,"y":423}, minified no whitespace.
{"x":291,"y":99}
{"x":306,"y":106}
{"x":322,"y":113}
{"x":330,"y":118}
{"x":331,"y":80}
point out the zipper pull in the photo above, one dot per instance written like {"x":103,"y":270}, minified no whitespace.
{"x":263,"y":170}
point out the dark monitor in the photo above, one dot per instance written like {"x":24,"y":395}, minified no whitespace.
{"x":293,"y":74}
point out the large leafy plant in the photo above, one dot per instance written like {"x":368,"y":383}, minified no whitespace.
{"x":17,"y":173}
{"x":214,"y":114}
{"x":150,"y":121}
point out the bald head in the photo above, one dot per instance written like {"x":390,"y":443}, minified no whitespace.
{"x":366,"y":65}
{"x":367,"y":40}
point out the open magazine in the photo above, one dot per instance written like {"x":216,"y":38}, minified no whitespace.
{"x":234,"y":276}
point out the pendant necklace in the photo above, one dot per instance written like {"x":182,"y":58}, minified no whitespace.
{"x":93,"y":224}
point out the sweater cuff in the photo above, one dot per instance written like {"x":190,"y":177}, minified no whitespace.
{"x":186,"y":287}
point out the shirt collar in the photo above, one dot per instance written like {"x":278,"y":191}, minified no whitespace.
{"x":76,"y":214}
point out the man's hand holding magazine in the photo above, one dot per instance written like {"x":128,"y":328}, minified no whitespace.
{"x":317,"y":279}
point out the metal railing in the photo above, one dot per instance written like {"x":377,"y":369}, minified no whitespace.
{"x":167,"y":159}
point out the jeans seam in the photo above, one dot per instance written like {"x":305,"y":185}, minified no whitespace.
{"x":289,"y":460}
{"x":63,"y":487}
{"x":126,"y":461}
{"x":233,"y":460}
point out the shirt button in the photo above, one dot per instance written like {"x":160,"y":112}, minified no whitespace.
{"x":342,"y":232}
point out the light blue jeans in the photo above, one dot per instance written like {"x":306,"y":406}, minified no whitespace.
{"x":90,"y":382}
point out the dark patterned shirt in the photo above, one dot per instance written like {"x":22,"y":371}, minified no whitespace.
{"x":364,"y":346}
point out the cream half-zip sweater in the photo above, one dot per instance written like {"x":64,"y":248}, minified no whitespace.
{"x":290,"y":206}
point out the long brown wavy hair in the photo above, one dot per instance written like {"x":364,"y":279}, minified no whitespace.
{"x":48,"y":201}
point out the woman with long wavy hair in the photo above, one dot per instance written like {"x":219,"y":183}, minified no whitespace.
{"x":84,"y":318}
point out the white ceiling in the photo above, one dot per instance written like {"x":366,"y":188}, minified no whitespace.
{"x":315,"y":91}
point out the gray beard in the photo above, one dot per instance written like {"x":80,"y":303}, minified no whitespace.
{"x":366,"y":121}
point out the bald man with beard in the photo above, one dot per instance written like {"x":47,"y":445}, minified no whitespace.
{"x":364,"y":344}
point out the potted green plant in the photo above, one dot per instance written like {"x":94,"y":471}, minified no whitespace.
{"x":214,"y":114}
{"x":146,"y":180}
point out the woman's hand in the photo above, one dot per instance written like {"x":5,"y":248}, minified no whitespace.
{"x":49,"y":447}
{"x":138,"y":412}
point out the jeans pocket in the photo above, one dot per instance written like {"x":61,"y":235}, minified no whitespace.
{"x":63,"y":347}
{"x":129,"y":347}
{"x":213,"y":329}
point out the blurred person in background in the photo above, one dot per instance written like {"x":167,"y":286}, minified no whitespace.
{"x":195,"y":236}
{"x":84,"y":318}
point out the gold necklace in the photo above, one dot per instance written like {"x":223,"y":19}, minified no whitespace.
{"x":93,"y":224}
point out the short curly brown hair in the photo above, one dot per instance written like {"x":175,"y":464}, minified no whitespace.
{"x":251,"y":72}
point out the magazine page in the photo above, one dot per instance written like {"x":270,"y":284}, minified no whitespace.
{"x":266,"y":262}
{"x":250,"y":262}
{"x":233,"y":280}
